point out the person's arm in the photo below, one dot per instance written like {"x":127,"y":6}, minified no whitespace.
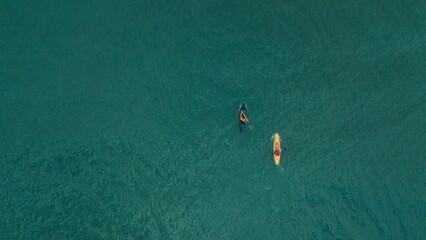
{"x":245,"y":116}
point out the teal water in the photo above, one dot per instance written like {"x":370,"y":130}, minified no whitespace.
{"x":118,"y":119}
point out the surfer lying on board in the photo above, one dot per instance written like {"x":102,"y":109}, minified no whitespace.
{"x":243,"y":117}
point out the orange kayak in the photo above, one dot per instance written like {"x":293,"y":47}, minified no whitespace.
{"x":277,"y":149}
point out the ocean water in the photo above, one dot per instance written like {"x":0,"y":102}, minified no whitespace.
{"x":119,"y":119}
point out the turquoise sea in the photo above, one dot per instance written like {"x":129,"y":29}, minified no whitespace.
{"x":119,"y":119}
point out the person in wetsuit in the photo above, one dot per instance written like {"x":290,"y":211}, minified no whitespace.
{"x":243,"y":117}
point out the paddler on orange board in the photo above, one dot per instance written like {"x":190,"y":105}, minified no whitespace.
{"x":277,"y":149}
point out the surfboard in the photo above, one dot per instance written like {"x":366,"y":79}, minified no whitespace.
{"x":277,"y":145}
